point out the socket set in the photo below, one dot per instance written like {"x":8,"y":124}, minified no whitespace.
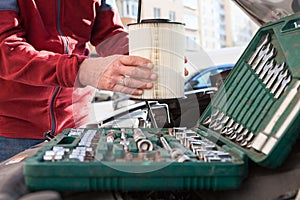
{"x":253,"y":115}
{"x":126,"y":145}
{"x":119,"y":158}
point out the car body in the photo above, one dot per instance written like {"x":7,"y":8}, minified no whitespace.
{"x":265,"y":11}
{"x":202,"y":79}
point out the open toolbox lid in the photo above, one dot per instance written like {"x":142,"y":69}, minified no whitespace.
{"x":257,"y":109}
{"x":264,"y":11}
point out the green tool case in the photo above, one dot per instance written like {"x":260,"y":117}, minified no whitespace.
{"x":254,"y":115}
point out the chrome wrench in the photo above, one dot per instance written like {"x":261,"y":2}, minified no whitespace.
{"x":264,"y":51}
{"x":259,"y":48}
{"x":266,"y":68}
{"x":284,"y":84}
{"x":281,"y":76}
{"x":276,"y":71}
{"x":271,"y":75}
{"x":228,"y":125}
{"x":222,"y":122}
{"x":242,"y":136}
{"x":265,"y":59}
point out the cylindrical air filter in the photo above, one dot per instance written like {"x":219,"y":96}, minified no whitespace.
{"x":162,"y":42}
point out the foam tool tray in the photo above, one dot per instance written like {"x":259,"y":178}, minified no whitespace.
{"x":257,"y":109}
{"x":254,"y":115}
{"x":134,"y":159}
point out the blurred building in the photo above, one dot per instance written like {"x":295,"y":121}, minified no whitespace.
{"x":209,"y":24}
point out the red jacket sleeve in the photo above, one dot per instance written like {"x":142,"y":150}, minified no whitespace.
{"x":109,"y":35}
{"x":21,"y":62}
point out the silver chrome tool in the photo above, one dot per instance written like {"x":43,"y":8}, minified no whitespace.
{"x":283,"y":85}
{"x":230,"y":130}
{"x":258,"y":49}
{"x":216,"y":156}
{"x":124,"y":141}
{"x":216,"y":122}
{"x":236,"y":132}
{"x":212,"y":124}
{"x":276,"y":71}
{"x":266,"y":68}
{"x":264,"y":60}
{"x":271,"y":74}
{"x":228,"y":125}
{"x":165,"y":144}
{"x":207,"y":120}
{"x":215,"y":113}
{"x":281,"y":76}
{"x":221,"y":124}
{"x":211,"y":118}
{"x":242,"y":136}
{"x":264,"y":51}
{"x":142,"y":143}
{"x":178,"y":132}
{"x":175,"y":153}
{"x":248,"y":139}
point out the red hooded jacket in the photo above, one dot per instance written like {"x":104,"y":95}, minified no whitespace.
{"x":42,"y":44}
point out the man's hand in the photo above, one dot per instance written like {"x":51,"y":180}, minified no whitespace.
{"x":186,"y":72}
{"x":126,"y":74}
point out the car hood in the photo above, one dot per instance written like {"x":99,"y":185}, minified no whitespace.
{"x":263,"y":11}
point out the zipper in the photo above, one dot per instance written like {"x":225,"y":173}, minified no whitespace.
{"x":53,"y":120}
{"x":65,"y":41}
{"x":66,"y":49}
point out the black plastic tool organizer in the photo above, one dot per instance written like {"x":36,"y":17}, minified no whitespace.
{"x":255,"y":115}
{"x":257,"y":109}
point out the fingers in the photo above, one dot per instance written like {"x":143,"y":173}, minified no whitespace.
{"x":137,"y":67}
{"x":127,"y":90}
{"x":185,"y":60}
{"x":134,"y":83}
{"x":135,"y":61}
{"x":127,"y":74}
{"x":138,"y":72}
{"x":186,"y":72}
{"x":131,"y":86}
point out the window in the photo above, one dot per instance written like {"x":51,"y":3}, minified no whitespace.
{"x":130,"y":8}
{"x":134,"y":9}
{"x":127,"y":12}
{"x":156,"y":12}
{"x":204,"y":79}
{"x":172,"y":15}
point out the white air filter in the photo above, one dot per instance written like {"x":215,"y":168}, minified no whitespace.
{"x":162,"y":42}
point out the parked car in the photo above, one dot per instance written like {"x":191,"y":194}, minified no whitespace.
{"x":202,"y":79}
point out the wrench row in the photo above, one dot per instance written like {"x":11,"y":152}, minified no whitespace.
{"x":275,"y":76}
{"x":204,"y":149}
{"x":220,"y":122}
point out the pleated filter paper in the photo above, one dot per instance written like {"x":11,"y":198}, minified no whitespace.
{"x":162,"y":43}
